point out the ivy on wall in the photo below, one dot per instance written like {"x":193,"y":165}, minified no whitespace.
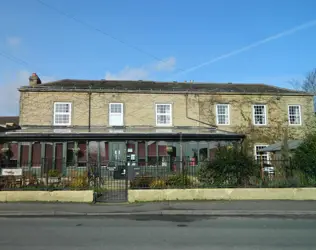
{"x":276,"y":128}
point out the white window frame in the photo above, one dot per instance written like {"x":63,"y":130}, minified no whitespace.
{"x":300,"y":114}
{"x":228,"y":114}
{"x":62,"y":113}
{"x":122,"y":113}
{"x":156,"y":109}
{"x":267,"y":154}
{"x":265,"y":115}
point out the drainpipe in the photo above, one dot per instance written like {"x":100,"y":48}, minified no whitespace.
{"x":89,"y":111}
{"x":190,"y":118}
{"x":181,"y":158}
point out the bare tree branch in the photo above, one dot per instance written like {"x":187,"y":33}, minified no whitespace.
{"x":308,"y":84}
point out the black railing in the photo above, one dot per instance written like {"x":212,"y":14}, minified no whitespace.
{"x":58,"y":174}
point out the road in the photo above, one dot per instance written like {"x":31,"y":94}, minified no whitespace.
{"x":157,"y":232}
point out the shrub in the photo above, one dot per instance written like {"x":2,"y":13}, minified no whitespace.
{"x":53,"y":173}
{"x":230,"y":167}
{"x":179,"y":180}
{"x":79,"y":182}
{"x":141,"y":182}
{"x":158,"y":183}
{"x":79,"y":179}
{"x":305,"y":158}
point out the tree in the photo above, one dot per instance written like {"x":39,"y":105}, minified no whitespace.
{"x":305,"y":157}
{"x":308,"y":84}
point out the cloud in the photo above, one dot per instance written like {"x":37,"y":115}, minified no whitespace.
{"x":143,"y":72}
{"x":9,"y":101}
{"x":166,"y":65}
{"x":13,"y":41}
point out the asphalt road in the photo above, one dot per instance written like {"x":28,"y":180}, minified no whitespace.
{"x":158,"y":232}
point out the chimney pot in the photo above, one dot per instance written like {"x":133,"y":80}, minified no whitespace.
{"x":34,"y":80}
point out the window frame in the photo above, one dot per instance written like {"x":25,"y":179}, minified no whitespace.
{"x":267,"y":153}
{"x":122,"y":112}
{"x":156,"y":115}
{"x":228,"y":114}
{"x":265,"y":115}
{"x":300,"y":114}
{"x":63,"y":113}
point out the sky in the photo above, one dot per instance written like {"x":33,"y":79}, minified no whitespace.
{"x":238,"y":41}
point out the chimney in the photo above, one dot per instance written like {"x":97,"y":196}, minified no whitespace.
{"x":34,"y":80}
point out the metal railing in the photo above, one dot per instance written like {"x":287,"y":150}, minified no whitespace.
{"x":58,"y":174}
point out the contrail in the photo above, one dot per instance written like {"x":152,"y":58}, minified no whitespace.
{"x":251,"y":46}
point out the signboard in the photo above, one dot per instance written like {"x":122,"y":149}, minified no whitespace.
{"x":268,"y":169}
{"x":11,"y":172}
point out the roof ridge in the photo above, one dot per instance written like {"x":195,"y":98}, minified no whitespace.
{"x":149,"y":85}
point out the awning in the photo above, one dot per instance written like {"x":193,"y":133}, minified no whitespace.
{"x":120,"y":133}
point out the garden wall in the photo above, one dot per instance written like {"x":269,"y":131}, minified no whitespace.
{"x":222,"y":194}
{"x":85,"y":196}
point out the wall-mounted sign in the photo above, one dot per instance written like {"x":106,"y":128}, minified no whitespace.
{"x":11,"y":172}
{"x":169,"y":149}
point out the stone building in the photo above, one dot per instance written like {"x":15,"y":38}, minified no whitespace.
{"x":72,"y":122}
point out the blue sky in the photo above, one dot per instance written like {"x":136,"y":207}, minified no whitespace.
{"x":157,"y":40}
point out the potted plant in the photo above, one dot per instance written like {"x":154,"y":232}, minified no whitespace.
{"x":76,"y":149}
{"x":54,"y":176}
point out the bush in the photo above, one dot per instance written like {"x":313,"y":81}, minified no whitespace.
{"x":304,"y":158}
{"x":53,"y":173}
{"x":141,"y":182}
{"x":79,"y":182}
{"x":230,"y":167}
{"x":158,"y":183}
{"x":179,"y":180}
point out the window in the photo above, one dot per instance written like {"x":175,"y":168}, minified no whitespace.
{"x":260,"y":114}
{"x":222,"y":114}
{"x":163,"y":115}
{"x":62,"y":113}
{"x":265,"y":155}
{"x":294,"y":114}
{"x":116,"y":114}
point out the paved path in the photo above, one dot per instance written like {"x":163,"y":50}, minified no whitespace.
{"x":215,"y":208}
{"x":157,"y":232}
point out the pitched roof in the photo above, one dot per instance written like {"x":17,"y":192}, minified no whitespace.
{"x":9,"y":119}
{"x":147,"y":86}
{"x":293,"y":144}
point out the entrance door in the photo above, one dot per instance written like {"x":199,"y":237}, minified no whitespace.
{"x":117,"y":152}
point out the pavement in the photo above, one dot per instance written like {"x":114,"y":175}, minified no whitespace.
{"x":157,"y":232}
{"x":196,"y":208}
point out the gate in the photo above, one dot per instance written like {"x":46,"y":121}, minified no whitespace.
{"x":110,"y":181}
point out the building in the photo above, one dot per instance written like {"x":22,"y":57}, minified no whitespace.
{"x":9,"y":123}
{"x":72,"y":122}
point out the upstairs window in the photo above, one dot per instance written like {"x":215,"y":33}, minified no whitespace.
{"x":222,"y":114}
{"x":294,"y":113}
{"x":163,"y":115}
{"x":62,"y":113}
{"x":116,"y":117}
{"x":259,"y":114}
